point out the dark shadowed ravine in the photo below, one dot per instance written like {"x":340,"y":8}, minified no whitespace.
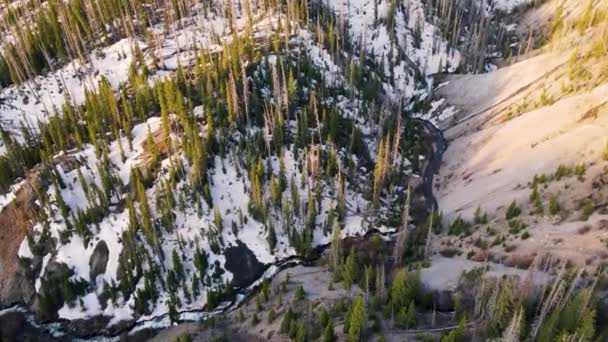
{"x":438,"y":147}
{"x":18,"y":323}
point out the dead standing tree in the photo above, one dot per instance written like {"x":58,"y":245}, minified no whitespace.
{"x":403,"y":230}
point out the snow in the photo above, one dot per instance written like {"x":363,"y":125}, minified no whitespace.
{"x":119,"y":314}
{"x":322,"y":59}
{"x":74,"y":255}
{"x":37,"y":99}
{"x":509,"y":5}
{"x":162,"y":320}
{"x":15,"y":308}
{"x":375,"y":38}
{"x":25,"y":251}
{"x":227,"y":187}
{"x":353,"y":225}
{"x":229,"y":196}
{"x":90,"y":306}
{"x":439,"y":114}
{"x":133,"y":156}
{"x":9,"y":196}
{"x":45,"y":262}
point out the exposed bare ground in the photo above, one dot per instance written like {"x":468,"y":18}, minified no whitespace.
{"x":516,"y":123}
{"x":15,"y":220}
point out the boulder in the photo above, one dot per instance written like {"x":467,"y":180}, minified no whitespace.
{"x":99,"y":260}
{"x":243,"y":264}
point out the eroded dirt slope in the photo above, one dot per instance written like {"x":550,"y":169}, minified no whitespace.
{"x":534,"y":135}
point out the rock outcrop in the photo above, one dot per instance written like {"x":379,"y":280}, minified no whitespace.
{"x":99,"y":260}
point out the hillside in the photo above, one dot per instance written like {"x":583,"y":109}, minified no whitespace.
{"x":533,"y":133}
{"x":156,"y":188}
{"x":302,"y":170}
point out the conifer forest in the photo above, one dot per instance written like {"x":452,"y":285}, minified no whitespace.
{"x":304,"y":170}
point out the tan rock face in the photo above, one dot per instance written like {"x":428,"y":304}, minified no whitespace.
{"x":513,"y":130}
{"x":15,"y":220}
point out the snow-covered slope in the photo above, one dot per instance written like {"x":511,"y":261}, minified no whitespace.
{"x":57,"y":244}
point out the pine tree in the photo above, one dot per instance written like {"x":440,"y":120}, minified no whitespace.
{"x":503,"y":309}
{"x":177,"y":264}
{"x":379,"y":170}
{"x":271,"y":315}
{"x":146,"y":215}
{"x":329,"y":221}
{"x":311,"y":213}
{"x":329,"y":335}
{"x":257,"y":205}
{"x":554,"y":206}
{"x":324,"y":316}
{"x":299,"y":295}
{"x":200,"y":261}
{"x":152,"y":149}
{"x":282,"y":175}
{"x":271,"y":238}
{"x":295,"y":197}
{"x":173,"y":314}
{"x":400,"y":291}
{"x":164,"y":115}
{"x":63,"y":208}
{"x":195,"y":285}
{"x":480,"y":217}
{"x":332,"y":163}
{"x":341,"y":207}
{"x":275,"y":192}
{"x":301,"y":334}
{"x":286,"y":322}
{"x":356,"y":318}
{"x":350,"y":270}
{"x":217,"y":220}
{"x":258,"y":303}
{"x":407,"y":315}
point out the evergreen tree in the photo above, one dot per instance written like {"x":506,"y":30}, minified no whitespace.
{"x":173,"y":314}
{"x":195,"y":286}
{"x":311,"y":213}
{"x":275,"y":192}
{"x":379,"y":172}
{"x":217,"y":220}
{"x":341,"y":207}
{"x":255,"y":319}
{"x":299,"y":295}
{"x":271,"y":238}
{"x":301,"y":334}
{"x":407,"y":316}
{"x":146,"y":215}
{"x":328,"y":334}
{"x":177,"y":264}
{"x":401,"y":294}
{"x":288,"y":318}
{"x":295,"y":197}
{"x":335,"y":253}
{"x":282,"y":175}
{"x":200,"y":261}
{"x":356,"y":318}
{"x":350,"y":270}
